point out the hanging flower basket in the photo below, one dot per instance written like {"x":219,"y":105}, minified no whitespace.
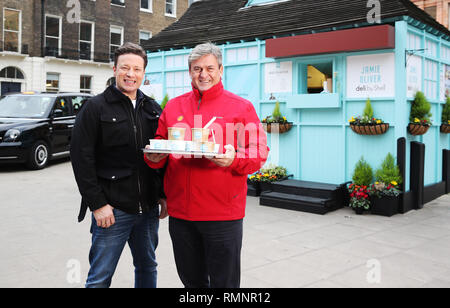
{"x":445,"y":128}
{"x":370,"y":129}
{"x":282,"y":127}
{"x":417,"y":129}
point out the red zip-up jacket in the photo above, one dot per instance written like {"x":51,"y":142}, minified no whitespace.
{"x":196,"y":188}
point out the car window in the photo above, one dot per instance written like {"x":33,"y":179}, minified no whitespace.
{"x":77,"y":102}
{"x":62,"y":104}
{"x":25,"y":106}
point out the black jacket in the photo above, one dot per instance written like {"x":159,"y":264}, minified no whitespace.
{"x":106,"y":153}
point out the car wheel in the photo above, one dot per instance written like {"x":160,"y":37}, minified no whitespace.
{"x":39,"y":156}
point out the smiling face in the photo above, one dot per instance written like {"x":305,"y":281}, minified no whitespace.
{"x":205,"y":72}
{"x":129,"y":73}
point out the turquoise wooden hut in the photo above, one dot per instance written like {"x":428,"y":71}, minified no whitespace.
{"x":321,"y":60}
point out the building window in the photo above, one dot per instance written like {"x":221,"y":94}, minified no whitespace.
{"x":147,"y":5}
{"x":86,"y":40}
{"x":111,"y":81}
{"x":171,"y":8}
{"x":85,"y":84}
{"x":52,"y":84}
{"x":116,"y":40}
{"x":118,"y":2}
{"x":11,"y":72}
{"x":52,"y":36}
{"x":144,"y":36}
{"x":11,"y":30}
{"x":431,"y":10}
{"x":431,"y":80}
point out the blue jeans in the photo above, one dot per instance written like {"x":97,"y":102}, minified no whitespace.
{"x":141,"y":233}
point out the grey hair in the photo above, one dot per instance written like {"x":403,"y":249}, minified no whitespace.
{"x":203,"y":50}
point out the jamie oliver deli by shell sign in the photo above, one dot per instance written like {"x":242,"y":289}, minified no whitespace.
{"x":371,"y":76}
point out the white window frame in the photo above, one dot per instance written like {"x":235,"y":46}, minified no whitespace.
{"x":150,"y":6}
{"x":60,"y":32}
{"x":174,"y":7}
{"x":59,"y":81}
{"x":92,"y":38}
{"x":118,"y":5}
{"x":19,"y":33}
{"x":144,"y":31}
{"x":121,"y":38}
{"x":86,"y":90}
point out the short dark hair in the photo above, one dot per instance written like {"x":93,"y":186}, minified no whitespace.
{"x":130,"y":48}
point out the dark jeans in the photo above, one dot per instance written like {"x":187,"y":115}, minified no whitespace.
{"x":141,"y":233}
{"x":207,"y":253}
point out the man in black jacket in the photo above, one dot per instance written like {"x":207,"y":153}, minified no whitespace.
{"x":115,"y":183}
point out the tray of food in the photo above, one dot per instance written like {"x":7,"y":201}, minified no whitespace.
{"x":175,"y":152}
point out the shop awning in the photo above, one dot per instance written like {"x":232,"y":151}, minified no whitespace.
{"x":367,"y":38}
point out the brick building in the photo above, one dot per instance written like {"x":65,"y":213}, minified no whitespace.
{"x":66,"y":45}
{"x":438,"y":9}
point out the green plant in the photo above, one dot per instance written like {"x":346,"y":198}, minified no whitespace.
{"x":420,"y":110}
{"x":270,"y":173}
{"x":446,"y":112}
{"x":388,"y":172}
{"x":276,"y":117}
{"x":368,"y":110}
{"x":363,"y":173}
{"x":367,"y":118}
{"x":164,"y":101}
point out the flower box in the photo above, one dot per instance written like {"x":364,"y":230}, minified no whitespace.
{"x":417,"y":129}
{"x":385,"y":206}
{"x":445,"y":128}
{"x":370,"y":129}
{"x":282,"y":127}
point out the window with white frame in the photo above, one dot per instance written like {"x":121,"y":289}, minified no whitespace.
{"x":171,"y":8}
{"x":144,"y":36}
{"x":52,"y":83}
{"x":52,"y":35}
{"x":118,"y":2}
{"x":12,"y":24}
{"x":86,"y":40}
{"x":178,"y":83}
{"x":147,"y":5}
{"x":431,"y":79}
{"x":85,"y":84}
{"x":116,"y":40}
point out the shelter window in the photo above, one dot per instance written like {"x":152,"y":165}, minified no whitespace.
{"x":319,"y":77}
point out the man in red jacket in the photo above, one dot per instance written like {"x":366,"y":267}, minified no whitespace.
{"x":206,"y":197}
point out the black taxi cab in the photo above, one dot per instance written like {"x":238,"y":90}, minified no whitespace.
{"x":37,"y":127}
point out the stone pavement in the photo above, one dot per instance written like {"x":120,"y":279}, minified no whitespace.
{"x":42,"y":245}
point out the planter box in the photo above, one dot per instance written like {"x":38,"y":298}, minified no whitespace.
{"x":257,"y":188}
{"x":370,"y":129}
{"x":445,"y":128}
{"x":385,"y":206}
{"x":417,"y":129}
{"x":282,"y":127}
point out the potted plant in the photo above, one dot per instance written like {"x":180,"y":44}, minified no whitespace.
{"x":419,"y":119}
{"x":385,"y":193}
{"x":367,"y":124}
{"x":359,"y":188}
{"x":262,"y":179}
{"x":445,"y":126}
{"x":164,"y":101}
{"x":276,"y":120}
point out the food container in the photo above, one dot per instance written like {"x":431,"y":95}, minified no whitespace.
{"x":208,"y":147}
{"x":189,"y":146}
{"x":200,"y":134}
{"x":158,"y":144}
{"x":177,"y":145}
{"x":176,"y":133}
{"x":196,"y":146}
